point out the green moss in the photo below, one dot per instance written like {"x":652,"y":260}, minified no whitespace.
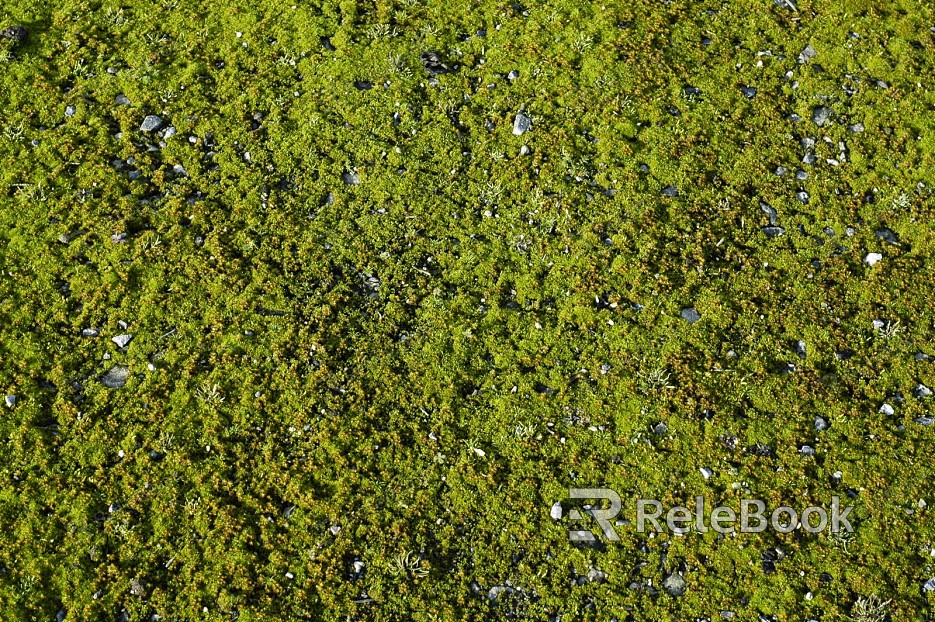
{"x":418,"y":360}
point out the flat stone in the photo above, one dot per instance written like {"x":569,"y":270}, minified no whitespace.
{"x":10,"y":401}
{"x":807,"y":54}
{"x":690,"y":315}
{"x":770,"y":211}
{"x":888,"y":236}
{"x":556,"y":511}
{"x":151,"y":123}
{"x":115,"y":377}
{"x":122,"y":340}
{"x":122,"y":100}
{"x":351,"y":179}
{"x":873,"y":258}
{"x":821,"y":115}
{"x":748,"y":91}
{"x":922,"y":391}
{"x":886,"y":409}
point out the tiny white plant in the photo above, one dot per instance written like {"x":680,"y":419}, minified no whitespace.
{"x":409,"y":564}
{"x":210,"y":395}
{"x":870,"y":609}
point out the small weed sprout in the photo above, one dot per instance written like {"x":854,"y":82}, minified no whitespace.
{"x":116,"y":17}
{"x":410,"y":565}
{"x":870,"y":609}
{"x":13,"y":132}
{"x":26,"y":584}
{"x":889,"y":330}
{"x":149,"y":241}
{"x":397,"y":65}
{"x":582,"y":43}
{"x":164,"y":442}
{"x":429,"y":31}
{"x":382,"y":31}
{"x":525,"y":431}
{"x":210,"y":395}
{"x":654,"y":380}
{"x":840,"y":539}
{"x":80,"y":70}
{"x":901,"y":201}
{"x":32,"y":193}
{"x":491,"y":192}
{"x":155,"y":39}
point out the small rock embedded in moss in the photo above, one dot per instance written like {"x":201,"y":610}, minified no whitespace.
{"x":151,"y":123}
{"x":433,"y":64}
{"x":115,"y":377}
{"x":690,"y":315}
{"x":674,"y":584}
{"x":17,"y":34}
{"x":521,"y":124}
{"x":807,"y":54}
{"x":821,"y":115}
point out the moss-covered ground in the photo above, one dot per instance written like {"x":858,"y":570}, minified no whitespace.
{"x":374,"y":340}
